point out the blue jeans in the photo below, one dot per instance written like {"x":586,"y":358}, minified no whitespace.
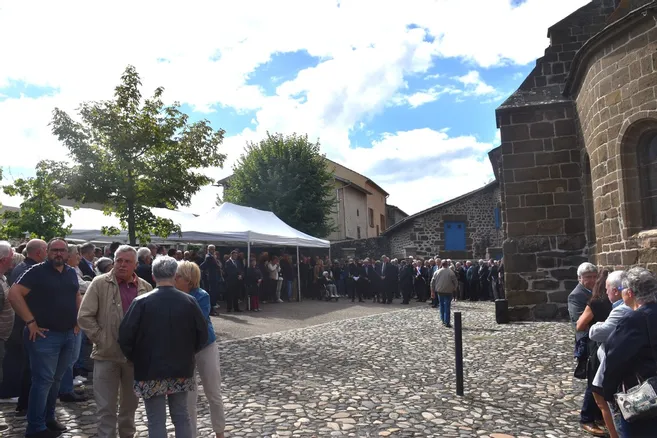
{"x":590,"y":411}
{"x":81,"y":361}
{"x":49,"y":358}
{"x":288,"y":288}
{"x":66,"y":387}
{"x":445,"y":304}
{"x":156,"y":413}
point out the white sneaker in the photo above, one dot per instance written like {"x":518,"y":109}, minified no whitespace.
{"x":77,"y":382}
{"x":81,"y":378}
{"x":279,"y":301}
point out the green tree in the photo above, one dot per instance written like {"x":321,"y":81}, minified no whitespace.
{"x":40,"y":215}
{"x":130,"y":155}
{"x":288,"y":176}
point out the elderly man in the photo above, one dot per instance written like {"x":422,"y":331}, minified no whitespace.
{"x":599,"y":332}
{"x":587,"y":274}
{"x":88,"y":253}
{"x":390,"y":278}
{"x":103,"y":307}
{"x":234,"y":282}
{"x":145,"y":260}
{"x":47,"y":298}
{"x":6,"y":311}
{"x":443,"y":285}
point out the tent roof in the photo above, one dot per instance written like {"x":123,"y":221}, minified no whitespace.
{"x":235,"y":223}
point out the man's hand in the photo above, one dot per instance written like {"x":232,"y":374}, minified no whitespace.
{"x":76,"y":330}
{"x":35,"y":331}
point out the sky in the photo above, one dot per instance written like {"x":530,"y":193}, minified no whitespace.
{"x":402,"y":92}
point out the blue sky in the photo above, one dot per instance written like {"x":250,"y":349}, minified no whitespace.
{"x":405,"y":95}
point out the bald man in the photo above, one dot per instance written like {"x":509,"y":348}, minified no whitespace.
{"x":36,"y":253}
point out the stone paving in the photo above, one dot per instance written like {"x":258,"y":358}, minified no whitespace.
{"x":387,"y":374}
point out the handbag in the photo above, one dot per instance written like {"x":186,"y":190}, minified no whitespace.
{"x":640,"y":401}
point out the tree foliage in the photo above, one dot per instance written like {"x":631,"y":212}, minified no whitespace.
{"x":288,"y":176}
{"x":131,"y":154}
{"x":40,"y":215}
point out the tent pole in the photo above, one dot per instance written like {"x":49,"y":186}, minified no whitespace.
{"x":247,"y":264}
{"x":298,"y":275}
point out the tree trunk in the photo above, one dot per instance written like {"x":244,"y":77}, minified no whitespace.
{"x":131,"y":211}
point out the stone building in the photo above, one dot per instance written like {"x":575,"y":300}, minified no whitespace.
{"x":462,"y":228}
{"x":394,"y":214}
{"x":360,"y":210}
{"x":578,"y":162}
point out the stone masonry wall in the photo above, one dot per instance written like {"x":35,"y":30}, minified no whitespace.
{"x":543,"y":201}
{"x":616,"y":99}
{"x":373,"y":247}
{"x":426,"y":232}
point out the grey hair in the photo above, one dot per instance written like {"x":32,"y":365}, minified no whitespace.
{"x":124,"y":248}
{"x":615,"y":279}
{"x":73,"y":249}
{"x":152,"y":246}
{"x":643,"y":284}
{"x":481,"y":262}
{"x":143,"y":252}
{"x":87,"y":247}
{"x":164,"y":268}
{"x":586,"y":268}
{"x":5,"y":249}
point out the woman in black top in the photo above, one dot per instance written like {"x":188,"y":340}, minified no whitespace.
{"x":597,"y":310}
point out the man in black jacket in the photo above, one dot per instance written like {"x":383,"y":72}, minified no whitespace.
{"x":234,"y":281}
{"x":406,"y":281}
{"x":144,"y":270}
{"x":389,"y":277}
{"x":160,"y":334}
{"x":211,"y":273}
{"x":352,"y":287}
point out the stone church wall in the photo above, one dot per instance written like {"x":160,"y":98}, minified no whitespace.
{"x":615,"y":88}
{"x":425,"y":231}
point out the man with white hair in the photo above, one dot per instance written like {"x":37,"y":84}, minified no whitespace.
{"x":587,"y":274}
{"x":6,"y":311}
{"x":211,"y":273}
{"x":105,"y":303}
{"x":145,"y":260}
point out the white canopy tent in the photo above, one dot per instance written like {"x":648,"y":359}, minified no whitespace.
{"x":86,"y":224}
{"x":235,"y":223}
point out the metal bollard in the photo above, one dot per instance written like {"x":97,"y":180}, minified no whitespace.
{"x":458,"y":350}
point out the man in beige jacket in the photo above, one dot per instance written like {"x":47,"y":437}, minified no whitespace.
{"x":107,"y":299}
{"x":443,"y":284}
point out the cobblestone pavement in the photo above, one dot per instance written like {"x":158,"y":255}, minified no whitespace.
{"x":387,"y":374}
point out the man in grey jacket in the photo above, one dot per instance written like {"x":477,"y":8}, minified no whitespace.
{"x":578,"y":299}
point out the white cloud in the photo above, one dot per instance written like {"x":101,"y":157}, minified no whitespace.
{"x":475,"y":85}
{"x":205,"y":52}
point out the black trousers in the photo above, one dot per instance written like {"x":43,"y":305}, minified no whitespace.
{"x":407,"y":291}
{"x":389,"y":289}
{"x":233,"y":296}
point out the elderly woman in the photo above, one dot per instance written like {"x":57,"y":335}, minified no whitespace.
{"x":188,"y":280}
{"x":161,"y":334}
{"x":104,"y":265}
{"x":632,"y":347}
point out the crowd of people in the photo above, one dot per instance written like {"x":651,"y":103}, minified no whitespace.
{"x":150,"y":338}
{"x":146,"y":314}
{"x":614,"y":314}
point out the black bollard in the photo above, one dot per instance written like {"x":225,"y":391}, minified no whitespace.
{"x":458,"y":349}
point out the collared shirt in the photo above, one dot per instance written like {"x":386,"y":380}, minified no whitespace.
{"x":90,"y":264}
{"x":129,"y":290}
{"x":53,"y":295}
{"x":617,"y":303}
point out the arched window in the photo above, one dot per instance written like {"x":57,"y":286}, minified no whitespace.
{"x":647,"y":163}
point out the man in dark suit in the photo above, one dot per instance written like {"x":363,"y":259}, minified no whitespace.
{"x":88,"y":252}
{"x":389,"y":277}
{"x":367,"y":278}
{"x":406,"y":281}
{"x":376,"y":283}
{"x":352,"y":288}
{"x":234,"y":270}
{"x":578,"y":299}
{"x":211,"y":273}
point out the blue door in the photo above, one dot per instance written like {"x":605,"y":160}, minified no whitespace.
{"x":455,"y":236}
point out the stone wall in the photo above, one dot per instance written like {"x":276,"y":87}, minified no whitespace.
{"x":615,"y":87}
{"x":425,"y":231}
{"x":374,"y":247}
